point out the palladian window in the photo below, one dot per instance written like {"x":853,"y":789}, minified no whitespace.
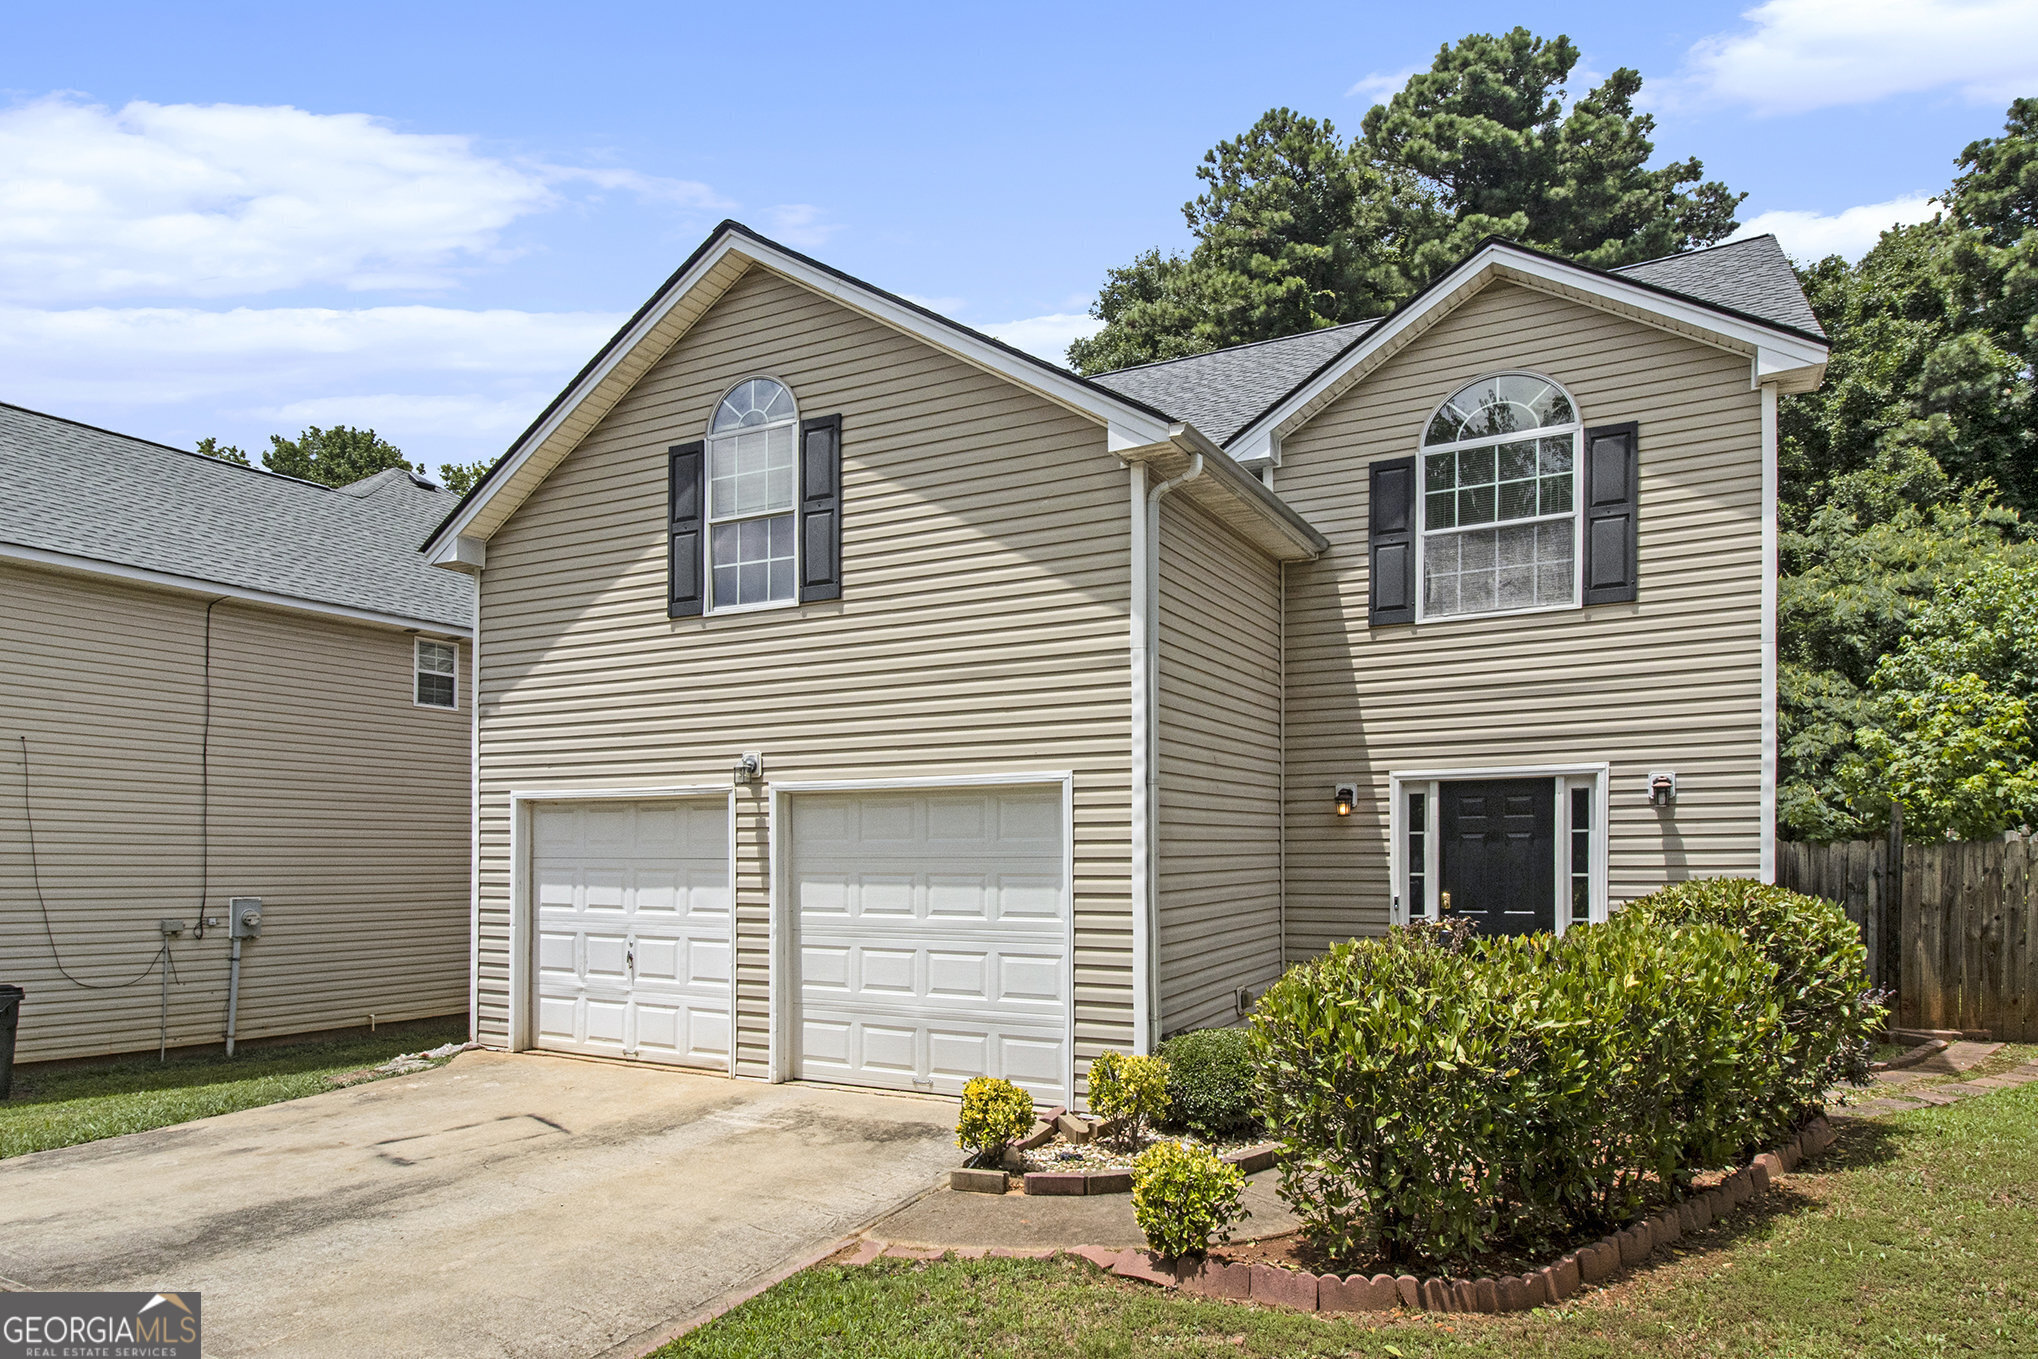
{"x":753,"y":482}
{"x":1500,"y":500}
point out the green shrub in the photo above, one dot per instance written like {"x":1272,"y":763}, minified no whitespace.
{"x":994,"y":1112}
{"x":1184,"y":1198}
{"x":1131,"y":1091}
{"x":1438,"y":1095}
{"x":1210,"y":1082}
{"x":1831,"y":1012}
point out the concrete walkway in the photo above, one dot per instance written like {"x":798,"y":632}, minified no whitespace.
{"x":500,"y":1205}
{"x":1931,"y":1082}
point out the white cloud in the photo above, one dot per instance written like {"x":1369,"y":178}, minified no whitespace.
{"x":1381,"y":86}
{"x":440,"y":382}
{"x":1808,"y":54}
{"x":1849,"y":232}
{"x":1046,"y":336}
{"x":229,"y":200}
{"x":799,"y":224}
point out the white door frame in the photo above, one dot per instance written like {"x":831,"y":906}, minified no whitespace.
{"x":523,"y":938}
{"x":1400,"y":782}
{"x":779,"y":1060}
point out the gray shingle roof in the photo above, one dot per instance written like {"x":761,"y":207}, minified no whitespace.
{"x":1222,"y":392}
{"x":91,"y":493}
{"x":1752,"y":277}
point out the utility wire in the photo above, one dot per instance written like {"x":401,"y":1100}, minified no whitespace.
{"x":48,"y":928}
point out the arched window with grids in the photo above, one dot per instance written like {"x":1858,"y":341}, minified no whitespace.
{"x":753,"y":490}
{"x":1499,"y":499}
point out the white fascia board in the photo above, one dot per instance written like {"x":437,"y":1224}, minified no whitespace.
{"x":460,"y":553}
{"x":1290,"y":537}
{"x":166,"y":580}
{"x":1064,"y":389}
{"x":1786,"y":353}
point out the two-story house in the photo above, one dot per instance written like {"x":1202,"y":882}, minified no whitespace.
{"x":864,"y":700}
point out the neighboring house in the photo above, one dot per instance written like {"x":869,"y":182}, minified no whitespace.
{"x":227,"y":683}
{"x":864,"y":700}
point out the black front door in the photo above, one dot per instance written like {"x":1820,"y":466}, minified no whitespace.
{"x":1500,"y":853}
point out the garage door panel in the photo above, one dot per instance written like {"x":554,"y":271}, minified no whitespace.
{"x":932,"y":937}
{"x":632,"y":935}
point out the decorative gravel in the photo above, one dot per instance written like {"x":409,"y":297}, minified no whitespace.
{"x":1063,"y":1155}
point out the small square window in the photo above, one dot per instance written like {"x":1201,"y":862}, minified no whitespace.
{"x":437,"y":674}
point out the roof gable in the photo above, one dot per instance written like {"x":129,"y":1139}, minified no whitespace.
{"x":1792,"y":358}
{"x":728,"y":253}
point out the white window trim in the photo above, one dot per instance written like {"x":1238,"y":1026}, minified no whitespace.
{"x":1576,"y":429}
{"x":1568,"y":776}
{"x":708,"y":519}
{"x":415,"y":671}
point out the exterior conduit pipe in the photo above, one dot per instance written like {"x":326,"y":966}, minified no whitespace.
{"x":1148,"y":698}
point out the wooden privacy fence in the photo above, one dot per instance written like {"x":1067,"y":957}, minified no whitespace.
{"x":1955,"y":934}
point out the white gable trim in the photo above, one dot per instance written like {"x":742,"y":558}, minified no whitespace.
{"x":728,"y":255}
{"x":1791,"y":362}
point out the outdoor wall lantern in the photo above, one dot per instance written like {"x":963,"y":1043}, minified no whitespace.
{"x":1662,"y":788}
{"x":749,"y":767}
{"x":1347,"y":798}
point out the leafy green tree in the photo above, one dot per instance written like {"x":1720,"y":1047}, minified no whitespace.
{"x":213,"y":448}
{"x":336,"y":456}
{"x":1296,"y":229}
{"x":1953,"y":705}
{"x":459,"y":477}
{"x":1855,"y":570}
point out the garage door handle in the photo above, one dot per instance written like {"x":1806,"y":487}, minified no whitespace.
{"x":630,"y":955}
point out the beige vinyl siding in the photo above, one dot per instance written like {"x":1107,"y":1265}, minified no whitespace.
{"x":332,"y":797}
{"x":982,"y":627}
{"x":1672,"y":681}
{"x":1219,"y":815}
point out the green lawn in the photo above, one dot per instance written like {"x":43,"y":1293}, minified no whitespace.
{"x":62,"y":1104}
{"x":1916,"y":1234}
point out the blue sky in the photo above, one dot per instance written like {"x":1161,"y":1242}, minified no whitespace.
{"x":239,"y":219}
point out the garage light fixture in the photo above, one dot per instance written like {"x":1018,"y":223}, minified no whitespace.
{"x":1347,"y":798}
{"x":749,"y":767}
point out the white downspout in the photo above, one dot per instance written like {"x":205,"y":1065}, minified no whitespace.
{"x":1770,"y":566}
{"x":474,"y":823}
{"x":1142,"y":757}
{"x":1146,"y":750}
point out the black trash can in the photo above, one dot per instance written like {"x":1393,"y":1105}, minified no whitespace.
{"x":10,"y":1019}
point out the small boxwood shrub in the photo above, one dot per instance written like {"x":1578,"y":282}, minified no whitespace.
{"x":1131,"y":1091}
{"x":1210,"y":1083}
{"x":994,"y":1112}
{"x":1438,"y":1095}
{"x":1184,"y":1198}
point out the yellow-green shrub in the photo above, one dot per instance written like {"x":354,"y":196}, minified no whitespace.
{"x":994,"y":1112}
{"x":1132,"y":1091}
{"x":1184,"y":1198}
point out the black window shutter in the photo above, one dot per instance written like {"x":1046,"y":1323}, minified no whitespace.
{"x":1391,"y":540}
{"x":685,"y":578}
{"x":1611,"y":471}
{"x":821,"y":508}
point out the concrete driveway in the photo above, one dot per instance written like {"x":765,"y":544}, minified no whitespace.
{"x":500,"y":1205}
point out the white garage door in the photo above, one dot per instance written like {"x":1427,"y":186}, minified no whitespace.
{"x":632,"y":936}
{"x":932,"y":939}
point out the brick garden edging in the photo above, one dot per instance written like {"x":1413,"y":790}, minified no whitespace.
{"x":1249,"y":1160}
{"x":1553,"y":1283}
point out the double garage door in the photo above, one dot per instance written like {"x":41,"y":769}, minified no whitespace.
{"x":928,"y":935}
